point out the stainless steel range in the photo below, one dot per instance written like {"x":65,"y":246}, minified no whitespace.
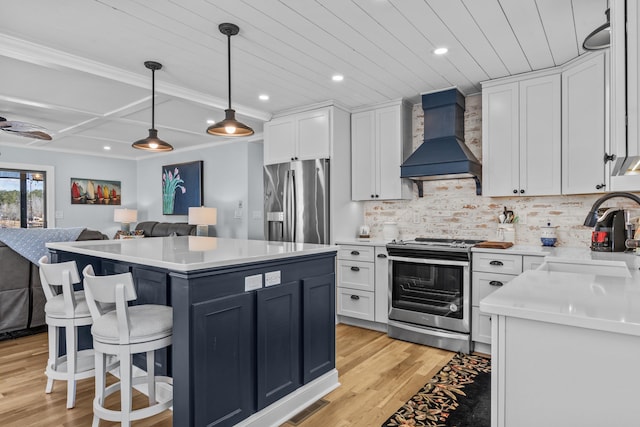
{"x":430,"y":292}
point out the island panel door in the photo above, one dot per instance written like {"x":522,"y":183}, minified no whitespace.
{"x":318,"y":326}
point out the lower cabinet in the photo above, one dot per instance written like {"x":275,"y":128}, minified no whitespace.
{"x":289,"y":327}
{"x":491,"y":271}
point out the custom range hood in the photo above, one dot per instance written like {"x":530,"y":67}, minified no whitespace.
{"x":443,"y":154}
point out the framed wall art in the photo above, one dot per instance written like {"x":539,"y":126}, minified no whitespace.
{"x":181,"y":187}
{"x":95,"y":192}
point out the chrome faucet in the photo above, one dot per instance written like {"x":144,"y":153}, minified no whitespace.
{"x":592,"y":216}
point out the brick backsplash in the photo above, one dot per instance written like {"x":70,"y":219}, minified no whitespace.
{"x":451,"y":208}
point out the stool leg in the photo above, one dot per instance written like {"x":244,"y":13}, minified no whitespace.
{"x":125,"y":387}
{"x":72,"y":355}
{"x":52,"y":363}
{"x":100,"y":376}
{"x":151,"y":376}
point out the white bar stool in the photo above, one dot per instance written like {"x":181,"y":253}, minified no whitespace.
{"x":65,"y":308}
{"x":124,"y":332}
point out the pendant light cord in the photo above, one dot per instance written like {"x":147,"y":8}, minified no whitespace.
{"x":153,"y":98}
{"x":229,"y":66}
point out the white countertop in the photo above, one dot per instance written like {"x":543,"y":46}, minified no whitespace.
{"x":593,"y":301}
{"x":190,"y":253}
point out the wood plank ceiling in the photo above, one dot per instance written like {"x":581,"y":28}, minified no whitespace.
{"x":76,"y":66}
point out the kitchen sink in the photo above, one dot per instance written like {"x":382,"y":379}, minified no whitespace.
{"x":597,"y":267}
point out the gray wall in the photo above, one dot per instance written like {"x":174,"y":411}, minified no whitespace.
{"x":226,"y":182}
{"x":232,"y":175}
{"x":67,"y":166}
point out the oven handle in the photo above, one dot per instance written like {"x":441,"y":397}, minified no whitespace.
{"x":429,"y":261}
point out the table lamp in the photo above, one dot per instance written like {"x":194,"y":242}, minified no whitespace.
{"x":125,"y":217}
{"x":203,"y":218}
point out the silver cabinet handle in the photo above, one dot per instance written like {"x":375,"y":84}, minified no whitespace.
{"x":355,"y":268}
{"x":355,"y":297}
{"x":382,"y":255}
{"x":496,"y":263}
{"x":355,"y":253}
{"x":495,"y":283}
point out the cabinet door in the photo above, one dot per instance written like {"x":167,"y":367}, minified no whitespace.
{"x":389,"y":148}
{"x":313,"y":135}
{"x":223,"y":371}
{"x":583,"y":126}
{"x":500,"y":133}
{"x":278,"y":342}
{"x":540,"y":136}
{"x":382,"y":285}
{"x":318,"y":326}
{"x":363,"y":156}
{"x":279,"y":141}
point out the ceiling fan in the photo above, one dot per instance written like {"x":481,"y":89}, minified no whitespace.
{"x":25,"y":129}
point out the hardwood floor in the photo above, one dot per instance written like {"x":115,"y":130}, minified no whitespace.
{"x":377,"y":375}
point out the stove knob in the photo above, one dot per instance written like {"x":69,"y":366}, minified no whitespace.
{"x":453,"y":307}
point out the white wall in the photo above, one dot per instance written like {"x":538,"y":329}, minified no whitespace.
{"x":255,"y":208}
{"x":226,"y":182}
{"x":67,"y":166}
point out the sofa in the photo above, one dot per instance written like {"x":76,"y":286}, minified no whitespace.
{"x":164,"y":229}
{"x":21,"y":296}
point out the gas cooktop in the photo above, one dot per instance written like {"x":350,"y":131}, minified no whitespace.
{"x":433,"y":243}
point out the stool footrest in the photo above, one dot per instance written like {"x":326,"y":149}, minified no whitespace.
{"x":138,"y":414}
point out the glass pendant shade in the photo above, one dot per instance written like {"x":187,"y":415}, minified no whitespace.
{"x":229,"y":127}
{"x":152,"y":142}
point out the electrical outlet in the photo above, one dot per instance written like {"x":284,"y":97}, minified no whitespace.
{"x":59,"y":214}
{"x":522,"y":218}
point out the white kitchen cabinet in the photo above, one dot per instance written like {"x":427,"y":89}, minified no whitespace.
{"x":625,"y":93}
{"x":300,"y":136}
{"x":382,"y":285}
{"x":362,"y":285}
{"x":584,"y":135}
{"x":521,"y":135}
{"x":380,"y":142}
{"x":491,"y":271}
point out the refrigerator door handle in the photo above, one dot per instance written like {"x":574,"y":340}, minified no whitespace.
{"x":294,"y":205}
{"x":289,"y":207}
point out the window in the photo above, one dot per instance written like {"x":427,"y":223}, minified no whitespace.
{"x":23,"y":198}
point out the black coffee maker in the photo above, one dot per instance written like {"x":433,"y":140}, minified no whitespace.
{"x":609,"y":233}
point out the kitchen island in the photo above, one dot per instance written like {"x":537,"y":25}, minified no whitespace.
{"x":254,"y":321}
{"x":565,"y":343}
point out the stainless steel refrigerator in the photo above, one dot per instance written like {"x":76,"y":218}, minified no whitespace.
{"x":296,"y":201}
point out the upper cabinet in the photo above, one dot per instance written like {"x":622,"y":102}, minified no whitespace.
{"x":625,"y":93}
{"x":380,"y":142}
{"x":584,"y":135}
{"x":301,"y":136}
{"x":521,"y":135}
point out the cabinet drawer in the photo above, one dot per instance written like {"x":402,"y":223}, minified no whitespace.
{"x":480,"y":326}
{"x":354,"y":303}
{"x":497,"y":263}
{"x":482,"y":284}
{"x":356,"y":253}
{"x":356,"y":275}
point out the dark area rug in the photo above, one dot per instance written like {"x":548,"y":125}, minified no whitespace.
{"x":22,"y":333}
{"x":458,"y":396}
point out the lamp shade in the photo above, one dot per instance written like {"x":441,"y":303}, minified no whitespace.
{"x":124,"y":215}
{"x":600,"y":38}
{"x":203,"y":218}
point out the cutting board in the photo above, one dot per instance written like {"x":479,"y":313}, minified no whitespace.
{"x":494,"y":245}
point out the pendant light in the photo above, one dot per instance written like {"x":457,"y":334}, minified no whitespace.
{"x":152,"y":142}
{"x":229,"y":126}
{"x":600,"y":38}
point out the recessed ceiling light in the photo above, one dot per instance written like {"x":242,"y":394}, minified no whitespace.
{"x":441,"y":51}
{"x":211,"y":122}
{"x":337,"y":77}
{"x":106,"y":147}
{"x":263,"y":97}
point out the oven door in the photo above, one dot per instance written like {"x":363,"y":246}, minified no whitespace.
{"x":428,"y":292}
